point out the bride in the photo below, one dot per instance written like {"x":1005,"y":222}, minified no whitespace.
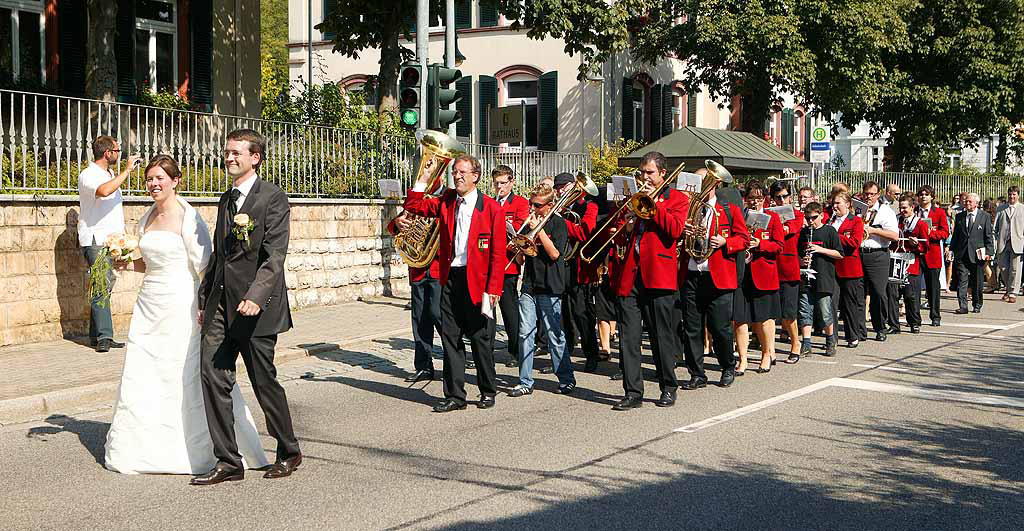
{"x":159,"y":423}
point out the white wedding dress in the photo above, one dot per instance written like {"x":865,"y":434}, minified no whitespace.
{"x":159,"y":424}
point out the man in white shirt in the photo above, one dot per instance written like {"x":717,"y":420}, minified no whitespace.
{"x":101,"y":214}
{"x":881,"y":227}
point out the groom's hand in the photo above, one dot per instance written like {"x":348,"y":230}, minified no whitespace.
{"x":248,"y":308}
{"x":199,"y":317}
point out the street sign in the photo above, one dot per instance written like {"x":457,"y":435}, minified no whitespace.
{"x":505,"y":125}
{"x":819,"y":146}
{"x":820,"y":155}
{"x":819,"y":134}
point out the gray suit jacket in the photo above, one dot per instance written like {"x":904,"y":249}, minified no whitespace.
{"x":1010,"y":229}
{"x":967,"y":239}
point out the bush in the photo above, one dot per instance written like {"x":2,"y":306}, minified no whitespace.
{"x":604,"y":162}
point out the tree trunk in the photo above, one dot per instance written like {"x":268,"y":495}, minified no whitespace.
{"x":100,"y":63}
{"x":754,"y":108}
{"x":390,"y":63}
{"x":1002,"y":151}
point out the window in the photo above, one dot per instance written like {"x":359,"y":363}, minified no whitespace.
{"x":678,"y":120}
{"x":367,"y":90}
{"x":156,"y":45}
{"x":521,"y":89}
{"x":877,"y":158}
{"x":23,"y":34}
{"x":639,"y":102}
{"x":772,"y":130}
{"x":954,"y":158}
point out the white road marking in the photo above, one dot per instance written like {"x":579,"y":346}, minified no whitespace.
{"x":974,"y":325}
{"x":823,"y":362}
{"x":880,"y":367}
{"x":849,"y":383}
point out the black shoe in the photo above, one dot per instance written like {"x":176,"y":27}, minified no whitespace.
{"x":617,"y":376}
{"x":105,"y":344}
{"x":852,"y":344}
{"x":761,"y":370}
{"x":793,"y":359}
{"x":590,"y":366}
{"x":564,"y":389}
{"x":486,"y":402}
{"x":915,"y":329}
{"x":960,"y":311}
{"x":420,"y":375}
{"x":694,"y":383}
{"x":880,"y":336}
{"x":449,"y":405}
{"x":830,"y":349}
{"x":520,"y":390}
{"x":220,"y":473}
{"x":805,"y":350}
{"x":668,"y":399}
{"x":511,"y":362}
{"x":976,"y":310}
{"x":936,"y":322}
{"x":283,"y":467}
{"x":547,"y":370}
{"x":893,"y":330}
{"x":728,"y":377}
{"x":629,"y":402}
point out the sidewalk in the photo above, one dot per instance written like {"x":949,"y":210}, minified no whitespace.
{"x":43,"y":378}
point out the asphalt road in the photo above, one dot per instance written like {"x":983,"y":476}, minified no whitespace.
{"x":920,"y":432}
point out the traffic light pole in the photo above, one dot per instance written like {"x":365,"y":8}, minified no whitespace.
{"x":422,"y":46}
{"x":449,"y":50}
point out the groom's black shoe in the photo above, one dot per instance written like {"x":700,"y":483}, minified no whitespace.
{"x":105,"y":344}
{"x":420,"y":375}
{"x":284,"y":467}
{"x":220,"y":473}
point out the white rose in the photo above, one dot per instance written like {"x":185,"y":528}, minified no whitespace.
{"x":131,"y":243}
{"x":241,"y":220}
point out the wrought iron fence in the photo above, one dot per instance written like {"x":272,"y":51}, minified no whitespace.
{"x":45,"y":142}
{"x":945,"y":185}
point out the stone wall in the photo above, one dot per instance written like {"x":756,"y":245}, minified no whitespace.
{"x":338,"y":252}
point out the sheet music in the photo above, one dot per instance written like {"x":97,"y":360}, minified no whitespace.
{"x":390,"y":188}
{"x":785,"y":212}
{"x":757,"y":220}
{"x":624,"y":185}
{"x":689,"y":183}
{"x":859,"y":207}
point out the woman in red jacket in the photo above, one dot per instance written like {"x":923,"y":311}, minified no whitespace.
{"x":849,"y":270}
{"x":789,"y":265}
{"x":756,"y":301}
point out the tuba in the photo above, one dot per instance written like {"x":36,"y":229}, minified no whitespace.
{"x":697,"y":244}
{"x":419,"y":242}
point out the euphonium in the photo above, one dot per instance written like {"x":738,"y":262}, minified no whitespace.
{"x":696,"y":243}
{"x":419,"y":242}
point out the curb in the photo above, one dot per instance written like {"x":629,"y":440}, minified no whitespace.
{"x":38,"y":407}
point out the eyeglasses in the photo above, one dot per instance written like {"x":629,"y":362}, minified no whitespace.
{"x":781,"y":197}
{"x":812,"y":218}
{"x":538,"y":205}
{"x":114,"y":150}
{"x":870,"y":194}
{"x":459,"y":172}
{"x":755,"y":197}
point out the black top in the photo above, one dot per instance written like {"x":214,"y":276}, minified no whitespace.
{"x":541,"y":274}
{"x":824,"y":266}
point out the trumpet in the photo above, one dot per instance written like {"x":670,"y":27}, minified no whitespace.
{"x":526,"y":244}
{"x":641,"y":205}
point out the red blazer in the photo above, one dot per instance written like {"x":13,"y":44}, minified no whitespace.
{"x":789,"y":259}
{"x":938,"y":234}
{"x":722,"y":261}
{"x":417,"y":274}
{"x":851,"y":234}
{"x":517,"y":209}
{"x":920,"y":231}
{"x":764,"y":268}
{"x":578,"y":233}
{"x":657,"y":257}
{"x":487,"y":242}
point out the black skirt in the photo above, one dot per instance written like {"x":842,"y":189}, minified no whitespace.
{"x":789,"y":295}
{"x":605,"y":302}
{"x":751,"y":305}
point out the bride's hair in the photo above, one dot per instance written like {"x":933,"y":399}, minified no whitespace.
{"x":166,"y":163}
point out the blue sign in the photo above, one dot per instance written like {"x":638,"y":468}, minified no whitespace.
{"x":819,"y":146}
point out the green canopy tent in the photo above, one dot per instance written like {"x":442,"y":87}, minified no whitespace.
{"x":742,"y":153}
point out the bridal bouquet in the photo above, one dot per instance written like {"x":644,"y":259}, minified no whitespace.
{"x":119,"y":247}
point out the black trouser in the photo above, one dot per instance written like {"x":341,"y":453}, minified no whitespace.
{"x":893,"y":293}
{"x":426,"y":314}
{"x":655,"y":308}
{"x":876,"y":280}
{"x":969,"y":274}
{"x":219,"y":353}
{"x":851,"y":307}
{"x":911,"y":294}
{"x":704,"y":305}
{"x":580,"y":298}
{"x":509,"y":305}
{"x":461,"y":318}
{"x":932,"y":291}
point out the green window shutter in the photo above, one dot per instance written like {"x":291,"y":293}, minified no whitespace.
{"x":787,"y":130}
{"x":807,"y":136}
{"x":487,"y":88}
{"x":201,"y":84}
{"x":655,"y":108}
{"x":464,"y":127}
{"x":627,"y":108}
{"x":691,"y":109}
{"x":463,"y":15}
{"x":71,"y":19}
{"x":488,"y":15}
{"x":329,"y":6}
{"x":124,"y":50}
{"x":667,"y":102}
{"x":547,"y":103}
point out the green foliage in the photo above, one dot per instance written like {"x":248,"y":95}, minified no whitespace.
{"x":274,"y":35}
{"x":604,"y":161}
{"x":165,"y":99}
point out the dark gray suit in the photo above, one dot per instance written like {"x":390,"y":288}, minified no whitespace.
{"x":255,"y":272}
{"x":968,"y":237}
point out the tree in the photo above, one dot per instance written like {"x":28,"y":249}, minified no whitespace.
{"x":360,"y":24}
{"x":274,"y":34}
{"x":100,"y":62}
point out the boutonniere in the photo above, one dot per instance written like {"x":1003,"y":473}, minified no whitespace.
{"x":243,"y":226}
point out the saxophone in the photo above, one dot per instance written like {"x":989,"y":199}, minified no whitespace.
{"x":697,"y":244}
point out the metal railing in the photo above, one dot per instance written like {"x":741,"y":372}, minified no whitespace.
{"x":945,"y":185}
{"x":45,"y":142}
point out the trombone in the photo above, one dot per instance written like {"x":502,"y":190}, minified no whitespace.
{"x":640,"y":204}
{"x":521,"y":244}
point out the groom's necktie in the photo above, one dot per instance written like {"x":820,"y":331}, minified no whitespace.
{"x":233,"y":196}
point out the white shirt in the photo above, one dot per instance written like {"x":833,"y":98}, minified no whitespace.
{"x":99,"y":216}
{"x":884,"y":219}
{"x":837,"y":221}
{"x":703,"y":266}
{"x":244,"y":190}
{"x":501,"y":200}
{"x":463,"y":217}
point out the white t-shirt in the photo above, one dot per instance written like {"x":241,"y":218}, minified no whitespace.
{"x":884,"y":219}
{"x":99,"y":216}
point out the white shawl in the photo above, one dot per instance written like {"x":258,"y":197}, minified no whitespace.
{"x":194,"y":233}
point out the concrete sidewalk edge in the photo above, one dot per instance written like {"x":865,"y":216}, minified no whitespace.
{"x":37,"y":407}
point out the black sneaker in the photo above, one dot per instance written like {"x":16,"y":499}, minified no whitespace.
{"x":564,"y":389}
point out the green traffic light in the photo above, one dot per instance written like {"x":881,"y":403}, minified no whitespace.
{"x":410,"y":117}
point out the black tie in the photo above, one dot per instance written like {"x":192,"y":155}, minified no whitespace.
{"x":233,"y":196}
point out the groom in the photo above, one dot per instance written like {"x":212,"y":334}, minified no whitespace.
{"x":243,"y":305}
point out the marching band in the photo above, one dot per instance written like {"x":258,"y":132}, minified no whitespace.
{"x":695,"y":270}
